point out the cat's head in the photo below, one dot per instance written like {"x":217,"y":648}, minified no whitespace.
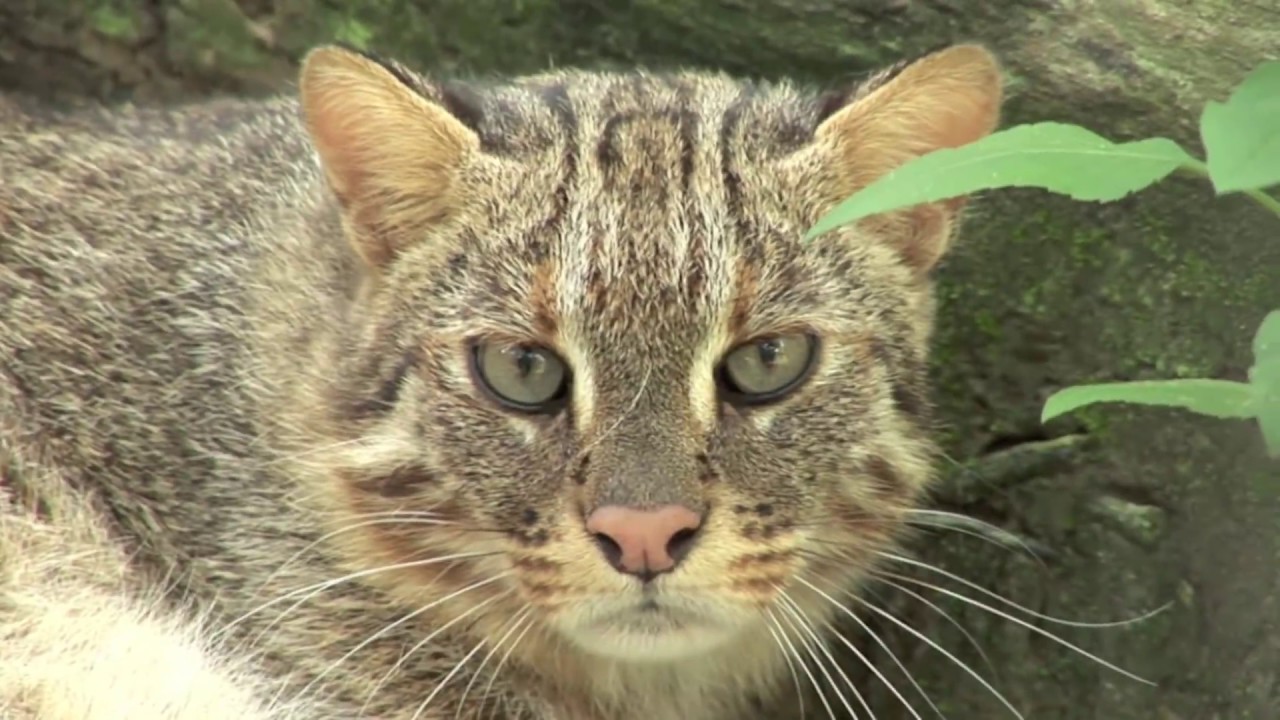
{"x":594,"y":374}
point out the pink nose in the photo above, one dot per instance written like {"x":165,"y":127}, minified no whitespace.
{"x":644,"y":543}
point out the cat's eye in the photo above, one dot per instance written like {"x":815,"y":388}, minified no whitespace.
{"x":528,"y":378}
{"x":767,"y":369}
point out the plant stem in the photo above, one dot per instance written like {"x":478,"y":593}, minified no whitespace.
{"x":1264,"y":200}
{"x":1197,"y":167}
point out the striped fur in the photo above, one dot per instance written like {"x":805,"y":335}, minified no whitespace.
{"x":253,"y":360}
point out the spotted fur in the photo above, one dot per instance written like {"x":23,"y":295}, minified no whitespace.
{"x":245,"y":336}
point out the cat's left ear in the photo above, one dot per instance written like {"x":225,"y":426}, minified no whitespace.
{"x":943,"y":100}
{"x":391,"y":145}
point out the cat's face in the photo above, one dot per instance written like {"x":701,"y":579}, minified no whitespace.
{"x":593,"y":344}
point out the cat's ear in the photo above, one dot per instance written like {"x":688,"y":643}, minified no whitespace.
{"x":392,"y":153}
{"x":944,"y":100}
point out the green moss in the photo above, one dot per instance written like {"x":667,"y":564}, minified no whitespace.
{"x":352,"y":32}
{"x":111,"y":20}
{"x":215,"y":34}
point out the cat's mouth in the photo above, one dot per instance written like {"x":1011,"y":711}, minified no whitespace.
{"x":652,"y":627}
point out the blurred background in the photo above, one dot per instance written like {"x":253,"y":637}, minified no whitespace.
{"x":1123,"y":509}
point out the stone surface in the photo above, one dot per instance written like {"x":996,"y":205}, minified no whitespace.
{"x":1139,"y":509}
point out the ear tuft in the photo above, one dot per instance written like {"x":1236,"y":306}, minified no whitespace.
{"x":391,"y":155}
{"x":944,"y":100}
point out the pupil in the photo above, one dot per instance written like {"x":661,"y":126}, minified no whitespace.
{"x":769,"y":352}
{"x":528,"y":362}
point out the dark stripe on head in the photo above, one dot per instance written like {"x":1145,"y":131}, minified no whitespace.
{"x":388,"y":392}
{"x":607,"y":154}
{"x":399,"y":483}
{"x":885,"y":479}
{"x":910,"y":381}
{"x":556,"y":98}
{"x":687,"y":120}
{"x":728,"y":136}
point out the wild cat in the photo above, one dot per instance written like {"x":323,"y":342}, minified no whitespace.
{"x":413,"y":399}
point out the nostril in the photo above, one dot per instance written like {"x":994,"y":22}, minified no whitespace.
{"x":610,"y":548}
{"x":681,"y":543}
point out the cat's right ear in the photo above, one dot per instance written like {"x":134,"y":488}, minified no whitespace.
{"x":943,"y":100}
{"x":392,"y":155}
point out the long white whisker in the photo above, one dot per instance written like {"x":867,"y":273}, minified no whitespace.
{"x":924,"y":638}
{"x":947,"y":616}
{"x":404,"y":657}
{"x":795,"y":676}
{"x":808,"y":648}
{"x":798,"y":613}
{"x":317,"y":588}
{"x":973,"y":527}
{"x":457,"y":667}
{"x":389,"y":517}
{"x":1027,"y":625}
{"x":804,"y":667}
{"x":392,"y":626}
{"x":869,"y":665}
{"x":1010,"y":603}
{"x":512,"y":626}
{"x":488,"y":688}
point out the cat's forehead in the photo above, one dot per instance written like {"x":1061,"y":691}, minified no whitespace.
{"x":641,"y":201}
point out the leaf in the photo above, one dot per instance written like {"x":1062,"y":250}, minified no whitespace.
{"x":1065,"y":159}
{"x":1242,"y":135}
{"x":1267,"y":401}
{"x":1266,"y":342}
{"x":1218,"y":398}
{"x":1264,"y":377}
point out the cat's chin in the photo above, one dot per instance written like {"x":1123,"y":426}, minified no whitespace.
{"x":651,"y":631}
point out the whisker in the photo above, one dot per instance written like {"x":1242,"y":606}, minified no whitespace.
{"x":804,"y":667}
{"x":1027,"y":625}
{"x":871,"y":666}
{"x":980,"y":529}
{"x":821,"y":668}
{"x":392,"y":626}
{"x":795,"y":676}
{"x":386,"y":677}
{"x":1040,"y":616}
{"x":513,"y":625}
{"x":389,"y":517}
{"x":497,"y":671}
{"x":798,"y":613}
{"x":317,"y":588}
{"x":457,"y":667}
{"x":947,"y":616}
{"x":925,"y":639}
{"x":612,"y":427}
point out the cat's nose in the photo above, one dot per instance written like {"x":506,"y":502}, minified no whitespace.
{"x":644,"y":543}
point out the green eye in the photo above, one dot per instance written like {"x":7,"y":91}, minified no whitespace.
{"x":767,"y":369}
{"x":528,"y":378}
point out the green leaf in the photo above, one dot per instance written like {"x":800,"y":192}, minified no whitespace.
{"x":1065,"y":159}
{"x":1264,"y":377}
{"x":1266,"y":342}
{"x":1242,"y":135}
{"x":1219,"y":398}
{"x":1267,"y":402}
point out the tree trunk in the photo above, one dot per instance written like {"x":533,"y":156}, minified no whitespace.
{"x":1127,"y":509}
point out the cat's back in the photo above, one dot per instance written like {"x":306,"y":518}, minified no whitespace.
{"x":122,"y":178}
{"x":126,"y":239}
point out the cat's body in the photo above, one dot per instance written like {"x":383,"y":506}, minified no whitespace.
{"x":264,"y":369}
